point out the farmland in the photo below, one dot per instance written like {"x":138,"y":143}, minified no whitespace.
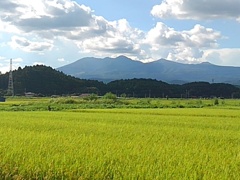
{"x":73,"y":141}
{"x":93,"y":102}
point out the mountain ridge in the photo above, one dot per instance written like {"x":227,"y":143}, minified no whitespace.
{"x":109,"y":69}
{"x":46,"y":81}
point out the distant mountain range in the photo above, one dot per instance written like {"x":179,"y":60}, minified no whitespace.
{"x":46,"y":81}
{"x":109,"y":69}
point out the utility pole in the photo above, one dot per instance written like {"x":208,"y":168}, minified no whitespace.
{"x":10,"y":90}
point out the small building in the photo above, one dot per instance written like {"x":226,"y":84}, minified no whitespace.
{"x":30,"y":94}
{"x":2,"y":99}
{"x":84,"y":95}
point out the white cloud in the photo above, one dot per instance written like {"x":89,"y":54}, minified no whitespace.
{"x":38,"y":15}
{"x":17,"y":60}
{"x":203,"y":37}
{"x":197,"y":9}
{"x":38,"y":63}
{"x":41,"y":25}
{"x":65,"y":19}
{"x":4,"y":68}
{"x":61,"y":59}
{"x":199,"y":36}
{"x":162,"y":35}
{"x":223,"y":56}
{"x":107,"y":38}
{"x":184,"y":46}
{"x":5,"y":64}
{"x":30,"y":46}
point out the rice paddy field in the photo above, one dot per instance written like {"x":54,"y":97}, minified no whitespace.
{"x":119,"y":143}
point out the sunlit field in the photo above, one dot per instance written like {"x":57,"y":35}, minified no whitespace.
{"x":160,"y":143}
{"x":70,"y":103}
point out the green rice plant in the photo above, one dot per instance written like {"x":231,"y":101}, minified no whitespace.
{"x":120,"y":144}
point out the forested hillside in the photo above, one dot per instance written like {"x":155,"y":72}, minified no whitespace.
{"x":46,"y":81}
{"x":154,"y":88}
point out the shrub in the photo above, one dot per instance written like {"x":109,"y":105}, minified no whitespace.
{"x":123,"y":95}
{"x":216,"y":101}
{"x":91,"y":97}
{"x":110,"y":95}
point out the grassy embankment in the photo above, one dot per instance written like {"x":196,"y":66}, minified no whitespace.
{"x":68,"y":103}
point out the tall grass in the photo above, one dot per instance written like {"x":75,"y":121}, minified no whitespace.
{"x":69,"y":103}
{"x":120,"y":144}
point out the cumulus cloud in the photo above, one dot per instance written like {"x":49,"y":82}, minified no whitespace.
{"x":65,"y":19}
{"x":162,"y":35}
{"x":187,"y":45}
{"x":29,"y":46}
{"x":44,"y":14}
{"x":40,"y":25}
{"x":223,"y":56}
{"x":116,"y":37}
{"x":197,"y":9}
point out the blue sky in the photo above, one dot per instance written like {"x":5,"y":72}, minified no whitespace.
{"x":58,"y":32}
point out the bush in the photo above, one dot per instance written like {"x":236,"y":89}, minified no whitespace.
{"x":64,"y":101}
{"x":123,"y":95}
{"x":216,"y":102}
{"x":91,"y":97}
{"x":110,"y":95}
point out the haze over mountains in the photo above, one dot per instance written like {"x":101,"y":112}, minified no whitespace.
{"x":108,"y":69}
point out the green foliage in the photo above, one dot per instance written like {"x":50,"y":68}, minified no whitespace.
{"x":110,"y":95}
{"x":91,"y":97}
{"x":216,"y":101}
{"x":47,"y":81}
{"x":95,"y":102}
{"x":124,"y":95}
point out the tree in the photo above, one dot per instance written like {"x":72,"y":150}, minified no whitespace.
{"x":110,"y":95}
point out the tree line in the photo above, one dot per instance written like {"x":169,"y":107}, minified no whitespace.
{"x":46,"y":81}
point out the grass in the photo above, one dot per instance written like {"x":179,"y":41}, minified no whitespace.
{"x":70,"y":103}
{"x":121,"y":144}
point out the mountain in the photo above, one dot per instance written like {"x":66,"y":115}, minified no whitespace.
{"x":106,"y":69}
{"x":109,"y":69}
{"x":43,"y":80}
